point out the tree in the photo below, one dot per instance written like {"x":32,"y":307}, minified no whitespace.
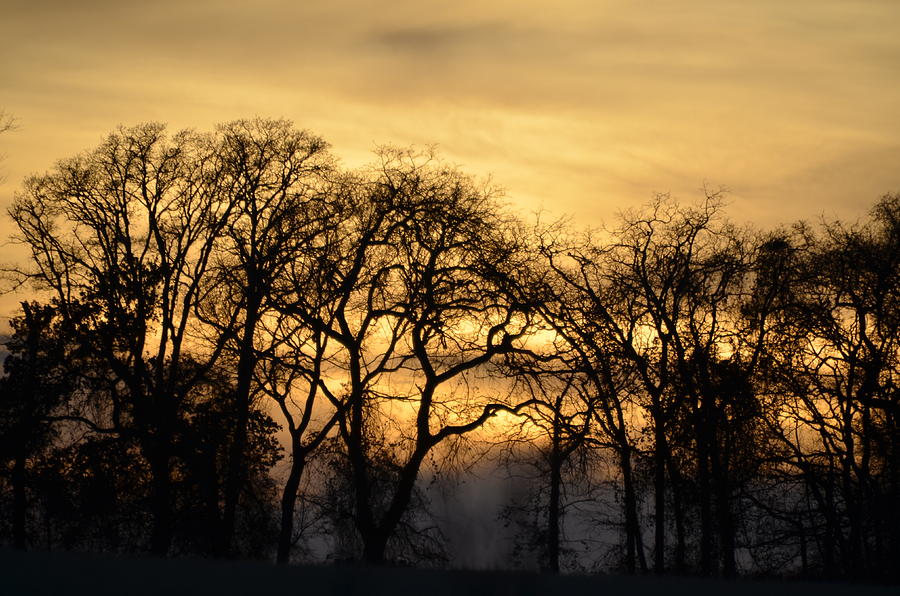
{"x":590,"y":344}
{"x":38,"y":379}
{"x":554,"y":438}
{"x":649,"y":314}
{"x":836,"y":361}
{"x":291,"y":376}
{"x":272,"y":176}
{"x":123,"y":237}
{"x":424,"y":301}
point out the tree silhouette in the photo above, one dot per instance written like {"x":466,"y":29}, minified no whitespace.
{"x":270,"y":174}
{"x":38,"y":378}
{"x":424,"y":298}
{"x":836,"y":364}
{"x":127,"y":233}
{"x":195,"y":285}
{"x":574,"y":306}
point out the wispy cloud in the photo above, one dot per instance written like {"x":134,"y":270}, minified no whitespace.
{"x":585,"y":105}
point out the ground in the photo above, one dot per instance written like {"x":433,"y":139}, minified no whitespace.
{"x":71,"y":574}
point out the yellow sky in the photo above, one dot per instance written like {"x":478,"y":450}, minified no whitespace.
{"x":579,"y":107}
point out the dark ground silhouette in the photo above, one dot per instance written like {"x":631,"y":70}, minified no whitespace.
{"x":38,"y":573}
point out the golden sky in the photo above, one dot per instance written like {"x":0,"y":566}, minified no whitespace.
{"x":578,"y":107}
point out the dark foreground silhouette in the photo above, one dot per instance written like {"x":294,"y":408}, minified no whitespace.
{"x":677,"y":394}
{"x":35,"y":573}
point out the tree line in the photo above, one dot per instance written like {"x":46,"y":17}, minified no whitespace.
{"x":215,"y":306}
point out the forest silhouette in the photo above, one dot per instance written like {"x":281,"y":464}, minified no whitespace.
{"x":238,"y":348}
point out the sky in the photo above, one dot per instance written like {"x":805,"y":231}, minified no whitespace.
{"x":577,"y":108}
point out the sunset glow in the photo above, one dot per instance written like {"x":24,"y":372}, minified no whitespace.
{"x":582,"y":108}
{"x":584,"y":287}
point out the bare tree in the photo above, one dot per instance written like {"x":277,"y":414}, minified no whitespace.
{"x":554,"y":437}
{"x":424,"y":302}
{"x":126,"y":233}
{"x":591,"y":343}
{"x":272,"y":176}
{"x":297,"y":363}
{"x":836,"y":359}
{"x":644,"y":311}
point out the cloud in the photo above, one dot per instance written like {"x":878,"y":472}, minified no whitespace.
{"x":437,"y":39}
{"x":584,"y":104}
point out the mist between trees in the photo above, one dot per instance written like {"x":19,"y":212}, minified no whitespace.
{"x":243,"y":349}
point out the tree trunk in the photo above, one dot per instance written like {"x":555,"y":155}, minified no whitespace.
{"x":374,"y":547}
{"x":19,"y":503}
{"x":236,"y":465}
{"x":634,"y":543}
{"x":851,"y":554}
{"x":893,"y":521}
{"x":288,"y":506}
{"x":659,"y":497}
{"x":678,"y":510}
{"x":375,"y":541}
{"x":553,"y":511}
{"x":727,"y":534}
{"x":703,"y":489}
{"x":161,"y":507}
{"x":828,"y":539}
{"x":725,"y":516}
{"x":209,"y":491}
